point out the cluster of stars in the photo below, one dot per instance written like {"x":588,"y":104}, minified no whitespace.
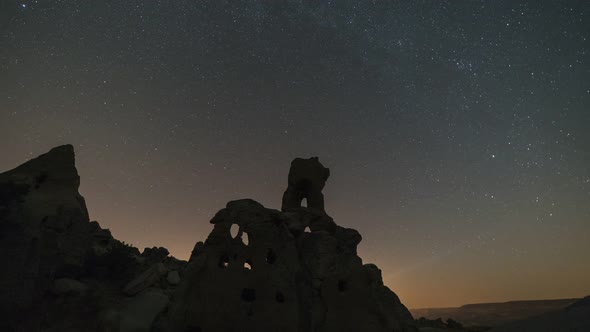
{"x":457,"y":126}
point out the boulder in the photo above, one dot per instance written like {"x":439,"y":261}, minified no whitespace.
{"x":155,"y":254}
{"x":173,"y":278}
{"x":66,"y":286}
{"x":136,"y":314}
{"x":146,"y":279}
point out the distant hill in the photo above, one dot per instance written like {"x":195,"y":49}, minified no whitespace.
{"x":493,"y":314}
{"x":573,"y":318}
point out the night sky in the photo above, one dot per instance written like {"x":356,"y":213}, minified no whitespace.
{"x":457,"y":132}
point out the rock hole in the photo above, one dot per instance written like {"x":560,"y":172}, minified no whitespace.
{"x":304,"y":202}
{"x":248,"y":295}
{"x":280,"y":297}
{"x":224,"y":261}
{"x":245,"y":238}
{"x":248,"y":265}
{"x":234,"y":230}
{"x":307,"y":230}
{"x":271,"y":257}
{"x":342,"y":285}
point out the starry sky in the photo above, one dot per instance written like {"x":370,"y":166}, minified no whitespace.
{"x":457,"y":132}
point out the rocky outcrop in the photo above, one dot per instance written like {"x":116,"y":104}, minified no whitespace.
{"x":146,"y":279}
{"x":66,"y":286}
{"x":283,"y":278}
{"x":307,"y":178}
{"x":136,"y":314}
{"x":289,"y":270}
{"x":63,"y":272}
{"x":44,"y":229}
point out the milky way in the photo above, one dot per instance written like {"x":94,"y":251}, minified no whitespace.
{"x":457,"y":132}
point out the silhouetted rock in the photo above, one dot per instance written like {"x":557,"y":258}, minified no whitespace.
{"x":155,"y":254}
{"x":146,"y":279}
{"x":66,"y":286}
{"x":68,"y":274}
{"x":44,"y":230}
{"x":307,"y":178}
{"x":136,"y":314}
{"x":173,"y":277}
{"x":283,"y":279}
{"x":64,"y":271}
{"x":438,"y":325}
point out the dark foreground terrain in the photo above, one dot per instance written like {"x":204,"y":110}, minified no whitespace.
{"x":290,"y":270}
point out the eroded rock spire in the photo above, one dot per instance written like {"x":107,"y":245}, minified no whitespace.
{"x":307,"y":178}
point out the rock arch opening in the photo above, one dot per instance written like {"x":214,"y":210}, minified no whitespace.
{"x":234,"y":230}
{"x":248,"y":265}
{"x":224,"y":261}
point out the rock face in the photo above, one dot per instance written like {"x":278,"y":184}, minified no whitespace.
{"x":284,"y":279}
{"x":62,"y":272}
{"x":68,"y":274}
{"x":44,"y":228}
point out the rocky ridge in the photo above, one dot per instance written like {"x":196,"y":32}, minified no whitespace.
{"x":259,"y":269}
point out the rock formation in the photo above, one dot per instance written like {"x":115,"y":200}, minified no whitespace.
{"x":61,"y":271}
{"x":281,"y":280}
{"x":44,"y":229}
{"x":68,"y":274}
{"x":284,"y":279}
{"x":307,"y":178}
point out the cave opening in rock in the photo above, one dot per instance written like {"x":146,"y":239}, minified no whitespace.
{"x":224,"y":261}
